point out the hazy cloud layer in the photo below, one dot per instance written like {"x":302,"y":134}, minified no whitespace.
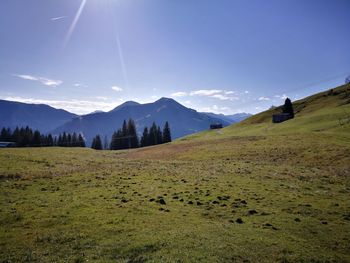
{"x":73,"y":105}
{"x":210,"y":93}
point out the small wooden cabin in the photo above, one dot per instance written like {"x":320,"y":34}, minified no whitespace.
{"x":278,"y":118}
{"x":215,"y":126}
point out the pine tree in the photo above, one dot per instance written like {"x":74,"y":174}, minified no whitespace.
{"x":69,"y":140}
{"x":59,"y":141}
{"x":43,"y":140}
{"x":288,"y":108}
{"x":27,"y":136}
{"x":97,"y":143}
{"x":74,"y":140}
{"x":50,"y":141}
{"x":132,"y":135}
{"x":145,"y":137}
{"x":166,"y":133}
{"x":113,"y":143}
{"x":36,"y":140}
{"x":124,"y":133}
{"x":153,"y":134}
{"x":159,"y":136}
{"x":64,"y":139}
{"x":15,"y":136}
{"x":4,"y":134}
{"x":81,"y":141}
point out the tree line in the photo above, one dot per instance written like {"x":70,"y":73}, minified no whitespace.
{"x":26,"y":137}
{"x":126,"y":137}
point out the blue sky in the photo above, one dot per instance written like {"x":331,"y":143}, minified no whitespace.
{"x":220,"y":56}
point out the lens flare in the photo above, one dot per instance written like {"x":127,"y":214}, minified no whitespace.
{"x":122,"y":63}
{"x":74,"y":23}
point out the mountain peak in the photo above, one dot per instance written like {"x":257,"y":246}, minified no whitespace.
{"x":127,"y":103}
{"x":164,"y":99}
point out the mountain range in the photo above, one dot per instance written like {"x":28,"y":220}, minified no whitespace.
{"x":36,"y":116}
{"x":182,"y":120}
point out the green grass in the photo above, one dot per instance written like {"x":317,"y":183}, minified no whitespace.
{"x":289,"y":185}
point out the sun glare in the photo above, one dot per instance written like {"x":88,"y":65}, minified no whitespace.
{"x":74,"y":23}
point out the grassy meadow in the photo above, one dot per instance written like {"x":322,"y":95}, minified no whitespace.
{"x":251,"y":192}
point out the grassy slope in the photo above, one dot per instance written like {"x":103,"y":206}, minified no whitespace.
{"x":78,"y":204}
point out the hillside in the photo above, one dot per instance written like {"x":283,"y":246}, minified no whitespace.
{"x":183,"y":121}
{"x":322,"y":112}
{"x":325,"y":112}
{"x":251,"y":192}
{"x":36,"y":116}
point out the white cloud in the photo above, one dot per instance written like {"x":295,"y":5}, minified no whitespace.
{"x":43,"y":80}
{"x":57,"y":18}
{"x":264,"y":98}
{"x":215,"y":93}
{"x":27,"y":77}
{"x":205,"y":92}
{"x":179,"y":94}
{"x":116,"y":88}
{"x":223,"y":97}
{"x":73,"y":105}
{"x":246,"y":92}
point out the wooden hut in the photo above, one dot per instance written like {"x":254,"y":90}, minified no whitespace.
{"x":277,"y":118}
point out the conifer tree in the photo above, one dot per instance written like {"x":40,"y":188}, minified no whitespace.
{"x":145,"y":137}
{"x":50,"y":141}
{"x":15,"y":135}
{"x":74,"y":142}
{"x":5,"y":134}
{"x":153,"y":134}
{"x":43,"y":140}
{"x":36,"y":140}
{"x":97,"y":143}
{"x":132,"y":135}
{"x":166,"y":133}
{"x":64,"y":139}
{"x":113,"y":143}
{"x":159,"y":136}
{"x":69,"y":140}
{"x":123,"y":137}
{"x":288,"y":108}
{"x":81,"y":141}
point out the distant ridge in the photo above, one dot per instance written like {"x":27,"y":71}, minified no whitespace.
{"x":234,"y":118}
{"x":182,"y":120}
{"x":36,"y":116}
